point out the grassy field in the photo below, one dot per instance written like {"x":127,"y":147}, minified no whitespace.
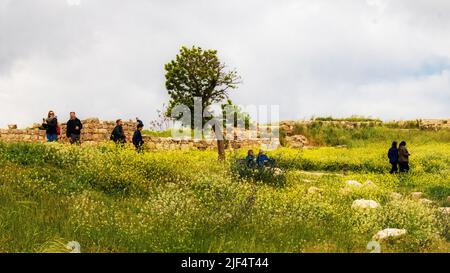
{"x":114,"y":200}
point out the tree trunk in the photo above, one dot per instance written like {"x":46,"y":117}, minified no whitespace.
{"x":221,"y":149}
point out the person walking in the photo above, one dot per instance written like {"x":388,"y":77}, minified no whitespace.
{"x":403,"y":157}
{"x":50,"y":124}
{"x":118,"y":135}
{"x":138,"y":142}
{"x":393,"y":157}
{"x":74,"y":127}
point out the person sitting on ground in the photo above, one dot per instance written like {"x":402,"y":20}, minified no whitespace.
{"x":262,"y":158}
{"x":50,"y":124}
{"x":250,"y":159}
{"x":138,"y":142}
{"x":393,"y":157}
{"x":403,"y":157}
{"x":118,"y":135}
{"x":74,"y":127}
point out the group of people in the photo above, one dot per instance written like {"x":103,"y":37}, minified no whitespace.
{"x":53,"y":129}
{"x":119,"y":137}
{"x":259,"y":161}
{"x":399,"y":157}
{"x":74,"y":126}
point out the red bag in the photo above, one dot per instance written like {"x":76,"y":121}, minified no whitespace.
{"x":58,"y":130}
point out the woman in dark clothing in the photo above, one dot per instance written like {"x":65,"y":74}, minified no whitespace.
{"x":50,"y":124}
{"x":403,"y":157}
{"x":393,"y":157}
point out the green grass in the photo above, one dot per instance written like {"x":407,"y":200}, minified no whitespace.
{"x":115,"y":200}
{"x":165,"y":133}
{"x":326,"y":134}
{"x":350,"y":119}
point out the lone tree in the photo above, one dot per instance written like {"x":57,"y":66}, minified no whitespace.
{"x":196,"y":72}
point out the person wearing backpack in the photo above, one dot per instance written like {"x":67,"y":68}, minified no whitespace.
{"x":118,"y":135}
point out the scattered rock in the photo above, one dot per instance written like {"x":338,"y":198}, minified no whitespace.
{"x":369,"y":183}
{"x":296,"y":141}
{"x":389,"y":233}
{"x":277,"y":171}
{"x":364,"y":204}
{"x":395,"y":196}
{"x":445,"y":210}
{"x":314,"y":190}
{"x":353,"y":183}
{"x":425,"y":201}
{"x":417,"y":195}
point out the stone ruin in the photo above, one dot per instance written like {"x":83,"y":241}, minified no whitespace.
{"x":97,"y":131}
{"x":94,"y":130}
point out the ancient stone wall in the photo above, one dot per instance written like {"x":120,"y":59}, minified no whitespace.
{"x":288,"y":127}
{"x":97,"y":131}
{"x":94,"y":130}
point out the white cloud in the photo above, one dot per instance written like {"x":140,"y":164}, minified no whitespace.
{"x":105,"y":58}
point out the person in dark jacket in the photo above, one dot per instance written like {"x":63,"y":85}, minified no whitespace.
{"x":403,"y":157}
{"x":74,"y":127}
{"x":118,"y":135}
{"x":250,"y":159}
{"x":262,"y":158}
{"x":393,"y":157}
{"x":50,"y":124}
{"x":138,"y":142}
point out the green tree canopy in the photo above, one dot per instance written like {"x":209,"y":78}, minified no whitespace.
{"x":196,"y":72}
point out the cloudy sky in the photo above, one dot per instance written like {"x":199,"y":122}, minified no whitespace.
{"x":105,"y":58}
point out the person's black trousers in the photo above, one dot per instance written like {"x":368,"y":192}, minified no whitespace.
{"x":404,"y":166}
{"x":394,"y":168}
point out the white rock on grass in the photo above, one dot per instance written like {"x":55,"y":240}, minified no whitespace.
{"x":395,"y":196}
{"x":369,"y":183}
{"x":389,"y":233}
{"x":364,"y":204}
{"x":353,"y":183}
{"x":314,"y":190}
{"x":445,"y":210}
{"x":425,"y":201}
{"x":277,"y":171}
{"x":417,"y":195}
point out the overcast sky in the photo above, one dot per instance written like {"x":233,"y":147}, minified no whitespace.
{"x":105,"y":58}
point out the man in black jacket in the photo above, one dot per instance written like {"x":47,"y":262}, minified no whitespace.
{"x":118,"y":135}
{"x":74,"y":127}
